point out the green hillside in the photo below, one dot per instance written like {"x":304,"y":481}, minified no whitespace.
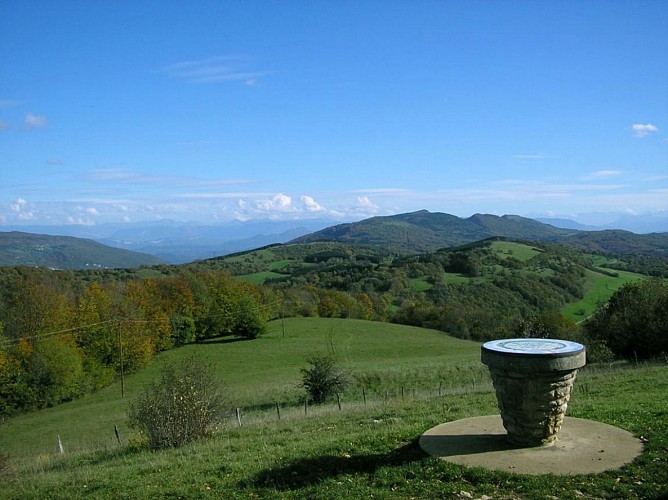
{"x":382,"y":357}
{"x":424,"y":231}
{"x":486,"y":285}
{"x":65,"y":252}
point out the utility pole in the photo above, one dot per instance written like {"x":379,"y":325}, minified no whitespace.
{"x":120,"y":350}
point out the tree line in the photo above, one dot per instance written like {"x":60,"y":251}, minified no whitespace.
{"x":61,"y":338}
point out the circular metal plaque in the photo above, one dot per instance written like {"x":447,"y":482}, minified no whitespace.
{"x":534,"y":346}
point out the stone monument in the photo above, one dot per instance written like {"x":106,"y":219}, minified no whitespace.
{"x":533,"y":379}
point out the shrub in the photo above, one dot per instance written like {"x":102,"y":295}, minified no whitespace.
{"x":323,"y":379}
{"x":184,"y":405}
{"x":633,"y":323}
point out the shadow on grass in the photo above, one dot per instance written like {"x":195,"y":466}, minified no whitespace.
{"x":221,"y":340}
{"x":100,"y":457}
{"x":310,"y":471}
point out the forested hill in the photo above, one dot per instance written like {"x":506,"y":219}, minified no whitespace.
{"x":65,"y":252}
{"x":424,"y":231}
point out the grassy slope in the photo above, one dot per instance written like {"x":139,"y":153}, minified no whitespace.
{"x":362,"y":452}
{"x":598,"y":289}
{"x":265,"y":370}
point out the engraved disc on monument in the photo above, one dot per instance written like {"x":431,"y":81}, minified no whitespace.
{"x":534,"y":346}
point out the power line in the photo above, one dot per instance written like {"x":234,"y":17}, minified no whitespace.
{"x":59,"y":332}
{"x":74,"y":329}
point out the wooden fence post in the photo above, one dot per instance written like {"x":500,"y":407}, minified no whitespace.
{"x":59,"y":446}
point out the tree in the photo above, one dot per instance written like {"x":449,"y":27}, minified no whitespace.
{"x":633,"y":323}
{"x":323,"y":379}
{"x":183,"y":330}
{"x":249,"y":322}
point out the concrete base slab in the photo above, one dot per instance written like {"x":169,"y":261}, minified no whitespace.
{"x":582,"y":447}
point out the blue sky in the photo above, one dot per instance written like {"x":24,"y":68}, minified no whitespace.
{"x":203,"y":111}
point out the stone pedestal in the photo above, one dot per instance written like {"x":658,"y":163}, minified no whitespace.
{"x":533,"y":379}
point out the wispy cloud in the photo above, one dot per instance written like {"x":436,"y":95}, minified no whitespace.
{"x":32,"y":121}
{"x":641,"y":130}
{"x":535,"y":156}
{"x":4,"y":125}
{"x":8,"y":103}
{"x":214,"y":70}
{"x":602,"y":174}
{"x":125,"y":176}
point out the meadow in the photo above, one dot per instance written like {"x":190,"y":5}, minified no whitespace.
{"x":367,"y":448}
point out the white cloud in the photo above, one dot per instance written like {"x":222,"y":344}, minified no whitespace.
{"x":79,"y":221}
{"x":92,"y":211}
{"x":18,"y":205}
{"x":364,"y":204}
{"x":4,"y":125}
{"x":641,"y":130}
{"x":32,"y":121}
{"x":279,"y":202}
{"x":311,"y":205}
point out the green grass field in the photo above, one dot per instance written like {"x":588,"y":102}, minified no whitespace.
{"x":365,"y":449}
{"x":598,"y":289}
{"x":360,"y":451}
{"x":520,"y":251}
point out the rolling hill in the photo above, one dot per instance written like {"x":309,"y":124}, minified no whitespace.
{"x":424,"y":231}
{"x":65,"y":252}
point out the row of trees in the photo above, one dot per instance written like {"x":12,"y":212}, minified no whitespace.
{"x":61,"y":338}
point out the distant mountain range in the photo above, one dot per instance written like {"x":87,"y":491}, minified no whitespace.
{"x":176,"y":242}
{"x":65,"y":252}
{"x":424,"y":231}
{"x":639,"y":224}
{"x":179,"y":242}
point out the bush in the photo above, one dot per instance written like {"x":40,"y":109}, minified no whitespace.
{"x":323,"y":379}
{"x":633,"y":323}
{"x":183,"y":406}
